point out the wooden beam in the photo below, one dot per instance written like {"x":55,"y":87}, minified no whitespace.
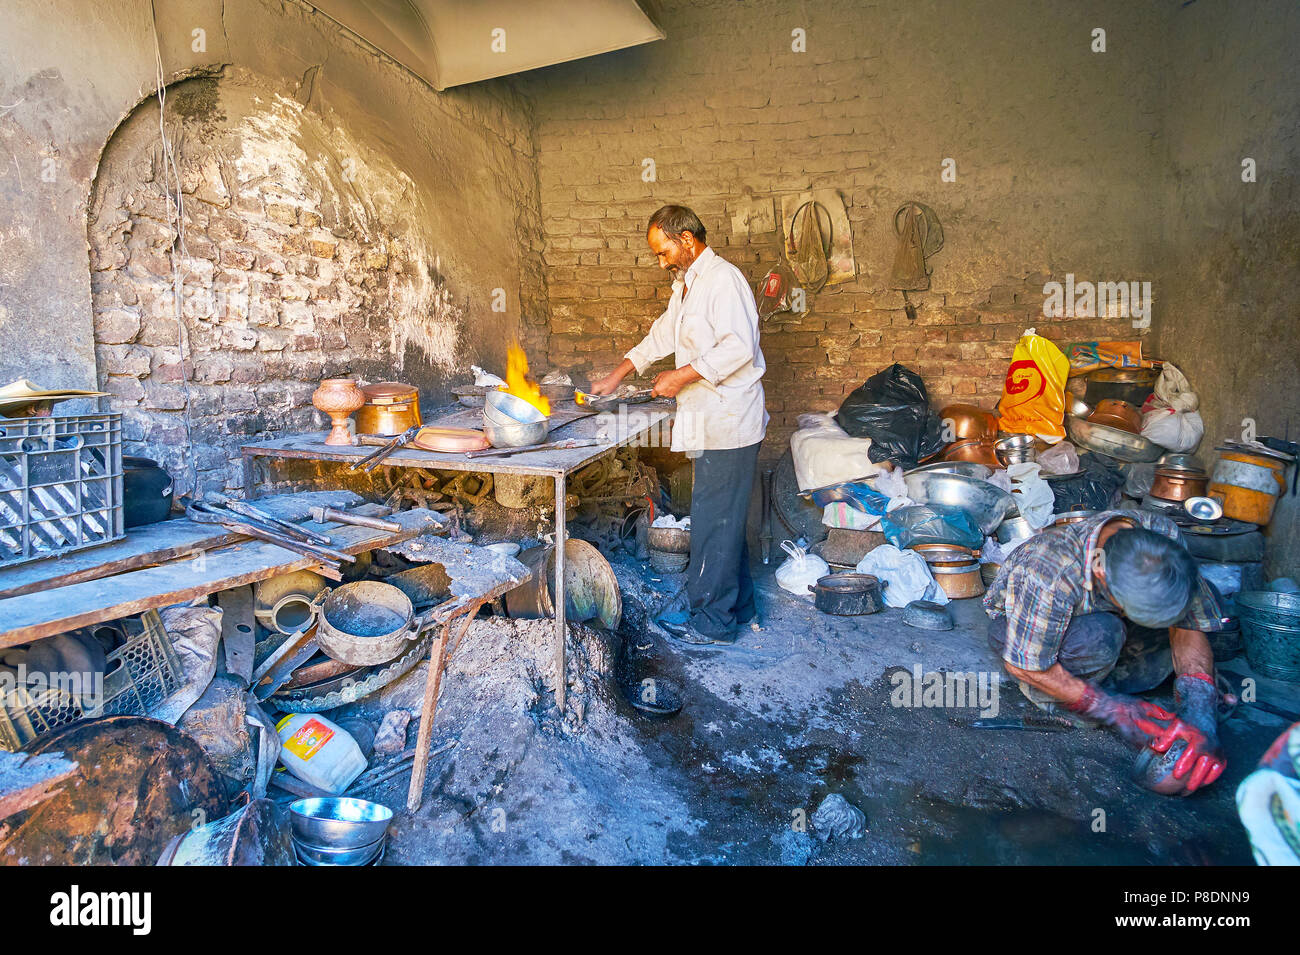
{"x":33,"y":616}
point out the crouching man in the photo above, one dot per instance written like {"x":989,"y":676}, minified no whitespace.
{"x":1085,"y":614}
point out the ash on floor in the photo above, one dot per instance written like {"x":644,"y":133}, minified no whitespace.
{"x":803,"y":707}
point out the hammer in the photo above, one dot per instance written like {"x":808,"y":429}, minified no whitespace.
{"x":325,"y":515}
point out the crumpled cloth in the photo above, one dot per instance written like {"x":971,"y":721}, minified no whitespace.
{"x":195,"y":632}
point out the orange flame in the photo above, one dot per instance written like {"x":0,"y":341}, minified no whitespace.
{"x":518,"y":382}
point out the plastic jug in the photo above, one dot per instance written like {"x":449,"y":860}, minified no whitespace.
{"x":319,"y":751}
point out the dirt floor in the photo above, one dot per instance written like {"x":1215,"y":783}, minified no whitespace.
{"x":799,"y":709}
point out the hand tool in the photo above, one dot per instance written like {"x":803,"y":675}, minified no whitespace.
{"x":546,"y":446}
{"x":244,"y":509}
{"x":326,"y":515}
{"x":202,"y":513}
{"x":638,"y":397}
{"x":372,"y":461}
{"x":1020,"y":723}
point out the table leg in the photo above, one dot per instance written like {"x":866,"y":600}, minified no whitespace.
{"x":561,"y":683}
{"x":250,"y":476}
{"x":438,"y":657}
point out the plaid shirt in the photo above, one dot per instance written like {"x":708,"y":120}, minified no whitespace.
{"x":1048,"y":580}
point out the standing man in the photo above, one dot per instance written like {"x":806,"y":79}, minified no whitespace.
{"x":711,"y":325}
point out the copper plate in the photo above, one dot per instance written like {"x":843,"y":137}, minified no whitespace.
{"x":450,"y":440}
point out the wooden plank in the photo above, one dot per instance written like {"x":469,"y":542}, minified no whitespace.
{"x":148,"y":545}
{"x":32,"y":616}
{"x":27,"y":780}
{"x":641,"y":420}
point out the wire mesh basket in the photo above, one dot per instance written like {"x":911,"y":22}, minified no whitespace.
{"x":60,"y":484}
{"x":140,"y":674}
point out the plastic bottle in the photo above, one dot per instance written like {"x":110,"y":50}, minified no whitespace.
{"x":319,"y":752}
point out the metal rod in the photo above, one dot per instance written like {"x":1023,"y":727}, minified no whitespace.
{"x":561,"y":681}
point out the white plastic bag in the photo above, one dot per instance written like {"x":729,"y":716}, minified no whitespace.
{"x":801,"y":571}
{"x":1173,"y":430}
{"x":905,"y":574}
{"x":1173,"y":388}
{"x":825,"y":454}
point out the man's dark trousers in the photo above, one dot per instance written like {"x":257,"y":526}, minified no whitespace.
{"x":718,"y":583}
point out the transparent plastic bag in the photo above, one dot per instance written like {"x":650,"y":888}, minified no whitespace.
{"x":800,"y":571}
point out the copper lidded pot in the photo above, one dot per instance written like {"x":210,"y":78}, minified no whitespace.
{"x":1179,"y":484}
{"x":390,"y":409}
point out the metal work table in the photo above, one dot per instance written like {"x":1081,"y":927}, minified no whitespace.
{"x":629,"y":424}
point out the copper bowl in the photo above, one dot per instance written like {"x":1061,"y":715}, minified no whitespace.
{"x":968,"y":421}
{"x":1175,"y":484}
{"x":1115,"y":413}
{"x":979,"y":450}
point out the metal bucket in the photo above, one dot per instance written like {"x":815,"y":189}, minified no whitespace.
{"x":590,"y":588}
{"x":1270,"y":632}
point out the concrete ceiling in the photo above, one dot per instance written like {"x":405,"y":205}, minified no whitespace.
{"x":452,"y":42}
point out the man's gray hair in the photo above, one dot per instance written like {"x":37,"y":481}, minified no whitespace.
{"x":1151,"y":577}
{"x":675,"y":220}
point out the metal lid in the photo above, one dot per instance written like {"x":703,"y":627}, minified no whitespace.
{"x":387,"y":392}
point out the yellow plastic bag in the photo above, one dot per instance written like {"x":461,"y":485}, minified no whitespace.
{"x":1033,"y":397}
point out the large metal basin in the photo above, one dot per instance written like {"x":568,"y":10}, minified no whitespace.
{"x":985,"y":503}
{"x":1120,"y":445}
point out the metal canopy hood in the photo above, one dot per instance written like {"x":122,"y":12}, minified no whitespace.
{"x":452,"y":42}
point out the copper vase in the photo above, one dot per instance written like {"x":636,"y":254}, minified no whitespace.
{"x":338,"y":398}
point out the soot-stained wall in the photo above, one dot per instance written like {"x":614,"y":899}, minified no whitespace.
{"x":339,"y":217}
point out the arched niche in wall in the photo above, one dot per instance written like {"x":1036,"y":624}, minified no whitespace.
{"x":300,"y":249}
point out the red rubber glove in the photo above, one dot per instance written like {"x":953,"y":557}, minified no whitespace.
{"x":1136,"y":721}
{"x":1195,"y":699}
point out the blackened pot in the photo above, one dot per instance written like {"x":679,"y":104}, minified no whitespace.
{"x":146,"y":492}
{"x":848,"y":594}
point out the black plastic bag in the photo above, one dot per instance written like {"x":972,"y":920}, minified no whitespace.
{"x":1095,"y":488}
{"x":893,"y":410}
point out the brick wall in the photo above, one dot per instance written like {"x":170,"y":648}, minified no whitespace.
{"x":1054,"y":149}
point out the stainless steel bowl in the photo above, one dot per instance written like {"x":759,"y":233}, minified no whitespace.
{"x":316,"y":855}
{"x":1203,"y":508}
{"x":338,"y":822}
{"x":969,"y":468}
{"x":1014,"y":529}
{"x":1077,"y":406}
{"x":517,"y":435}
{"x":986,"y":503}
{"x":1118,"y":444}
{"x":1015,"y":449}
{"x":506,"y":409}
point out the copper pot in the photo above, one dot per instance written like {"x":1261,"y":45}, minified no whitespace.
{"x":968,"y":421}
{"x":390,"y":409}
{"x":979,"y":450}
{"x":1115,"y":413}
{"x":1173,"y":484}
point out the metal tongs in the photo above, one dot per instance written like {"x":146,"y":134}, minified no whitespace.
{"x":203,"y":512}
{"x":373,"y":460}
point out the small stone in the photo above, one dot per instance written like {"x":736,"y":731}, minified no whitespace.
{"x":837,"y":818}
{"x":391,"y":737}
{"x":282,"y":212}
{"x":322,"y":250}
{"x":116,"y":326}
